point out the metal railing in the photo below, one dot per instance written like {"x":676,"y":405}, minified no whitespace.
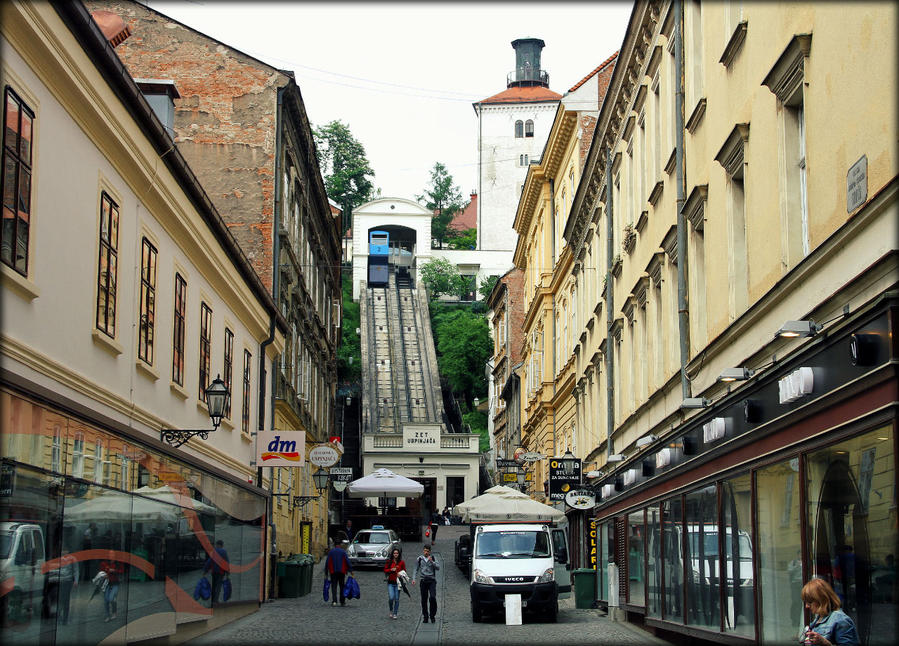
{"x":527,"y":75}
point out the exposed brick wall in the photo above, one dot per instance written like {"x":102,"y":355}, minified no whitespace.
{"x":225,"y":120}
{"x":514,"y":282}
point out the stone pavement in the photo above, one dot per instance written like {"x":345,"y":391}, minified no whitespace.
{"x":309,"y":620}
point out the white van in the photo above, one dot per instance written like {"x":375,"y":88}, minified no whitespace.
{"x":22,"y":558}
{"x":514,"y":558}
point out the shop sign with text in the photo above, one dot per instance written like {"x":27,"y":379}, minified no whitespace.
{"x":280,"y":448}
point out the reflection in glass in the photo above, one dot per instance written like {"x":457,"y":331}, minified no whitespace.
{"x":777,"y":544}
{"x":654,"y":566}
{"x":635,"y":575}
{"x":852,"y":529}
{"x":703,"y":564}
{"x":672,"y":546}
{"x":738,"y":574}
{"x":602,"y":564}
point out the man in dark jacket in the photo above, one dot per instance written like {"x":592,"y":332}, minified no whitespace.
{"x":337,"y":566}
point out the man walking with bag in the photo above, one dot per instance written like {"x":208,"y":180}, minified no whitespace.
{"x":337,"y":565}
{"x":426,"y":568}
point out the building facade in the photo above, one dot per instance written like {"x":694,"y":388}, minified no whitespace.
{"x":735,"y":353}
{"x":124,"y":296}
{"x":549,"y":298}
{"x":506,"y":314}
{"x":242,"y":126}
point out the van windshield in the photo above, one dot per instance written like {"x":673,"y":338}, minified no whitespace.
{"x":512,"y":544}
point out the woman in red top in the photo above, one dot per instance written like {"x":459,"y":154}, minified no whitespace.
{"x":392,"y":568}
{"x":113,"y":571}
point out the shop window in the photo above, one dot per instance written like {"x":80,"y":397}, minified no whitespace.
{"x":703,"y":569}
{"x":17,"y":148}
{"x":739,"y":580}
{"x":852,"y":534}
{"x":777,"y":544}
{"x":636,"y":593}
{"x":672,"y":555}
{"x":654,"y":565}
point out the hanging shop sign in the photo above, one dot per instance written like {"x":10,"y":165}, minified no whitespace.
{"x":323,"y":455}
{"x":560,"y":483}
{"x":532,"y":456}
{"x":280,"y":448}
{"x":580,"y":499}
{"x":340,"y":477}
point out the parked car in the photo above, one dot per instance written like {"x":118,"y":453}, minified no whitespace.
{"x":22,"y":558}
{"x":373,"y":546}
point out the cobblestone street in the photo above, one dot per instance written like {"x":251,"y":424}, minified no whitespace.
{"x":309,"y":619}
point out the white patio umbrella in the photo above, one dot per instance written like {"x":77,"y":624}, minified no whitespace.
{"x":115,"y":506}
{"x":504,"y":503}
{"x":166,"y":494}
{"x":385,"y":483}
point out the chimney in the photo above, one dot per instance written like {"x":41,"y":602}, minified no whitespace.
{"x":113,"y":27}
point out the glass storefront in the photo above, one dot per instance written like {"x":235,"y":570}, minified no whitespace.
{"x":76,"y":500}
{"x":635,"y":559}
{"x":852,"y":528}
{"x":851,"y":520}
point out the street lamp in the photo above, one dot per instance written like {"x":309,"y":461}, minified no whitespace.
{"x":216,"y":400}
{"x":320,"y":478}
{"x":568,"y":463}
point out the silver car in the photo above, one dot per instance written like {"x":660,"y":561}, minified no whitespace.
{"x":373,"y":546}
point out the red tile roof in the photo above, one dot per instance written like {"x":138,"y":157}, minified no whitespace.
{"x":596,"y":71}
{"x":467,"y":218}
{"x":526,"y":94}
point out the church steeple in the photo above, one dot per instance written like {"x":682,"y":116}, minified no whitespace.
{"x":527,"y":64}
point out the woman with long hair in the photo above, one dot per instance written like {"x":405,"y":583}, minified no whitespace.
{"x":395,"y":564}
{"x":830,"y":626}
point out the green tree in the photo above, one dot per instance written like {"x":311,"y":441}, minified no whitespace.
{"x":441,"y":277}
{"x":478,"y":423}
{"x":347,"y":173}
{"x":463,"y":347}
{"x":487,"y":286}
{"x":349,"y":353}
{"x":444,"y":199}
{"x":463,"y":240}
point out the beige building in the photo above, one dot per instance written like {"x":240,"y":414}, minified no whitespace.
{"x":123,"y":297}
{"x":734,"y":250}
{"x":549,"y":298}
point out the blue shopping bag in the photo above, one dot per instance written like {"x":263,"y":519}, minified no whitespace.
{"x":226,"y":589}
{"x":326,"y":589}
{"x":203,"y":590}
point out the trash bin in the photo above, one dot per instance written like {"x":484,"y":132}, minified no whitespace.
{"x":306,"y":562}
{"x":584,"y":582}
{"x":289,"y":584}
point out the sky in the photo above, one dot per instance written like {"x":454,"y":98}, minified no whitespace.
{"x":403,"y":76}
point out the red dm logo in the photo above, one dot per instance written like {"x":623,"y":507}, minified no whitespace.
{"x":281,"y":449}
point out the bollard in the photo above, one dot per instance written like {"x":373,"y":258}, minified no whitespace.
{"x":615,"y":613}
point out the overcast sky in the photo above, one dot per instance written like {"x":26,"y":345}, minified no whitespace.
{"x":403,"y":76}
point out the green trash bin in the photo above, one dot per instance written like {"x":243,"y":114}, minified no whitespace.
{"x":305,"y":562}
{"x":584,"y":582}
{"x":289,"y":584}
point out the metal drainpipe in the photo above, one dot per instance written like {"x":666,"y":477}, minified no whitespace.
{"x":480,"y":157}
{"x":683,"y":314}
{"x":610,"y":318}
{"x":552,"y":209}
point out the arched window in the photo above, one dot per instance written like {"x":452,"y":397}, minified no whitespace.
{"x":518,"y":129}
{"x":529,"y":128}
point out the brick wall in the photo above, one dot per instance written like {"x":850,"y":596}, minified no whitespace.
{"x":225,"y":121}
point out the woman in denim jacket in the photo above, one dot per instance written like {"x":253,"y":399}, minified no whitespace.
{"x":830,"y":626}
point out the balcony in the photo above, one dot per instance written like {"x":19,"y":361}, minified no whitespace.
{"x":527,"y":76}
{"x":393,"y":442}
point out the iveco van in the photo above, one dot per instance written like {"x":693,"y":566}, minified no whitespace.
{"x":514,"y":559}
{"x":21,"y":562}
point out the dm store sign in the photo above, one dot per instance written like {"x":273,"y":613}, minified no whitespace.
{"x":280,"y":448}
